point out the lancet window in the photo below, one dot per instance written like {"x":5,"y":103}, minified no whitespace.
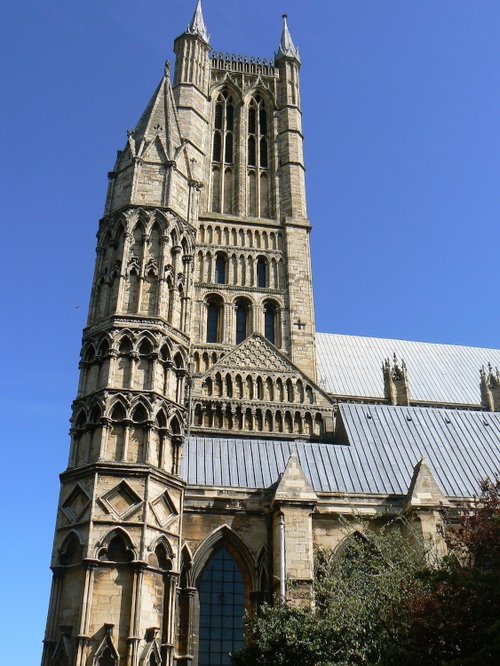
{"x":243,"y":317}
{"x":222,"y":607}
{"x":258,"y":159}
{"x":271,"y":322}
{"x":223,"y":154}
{"x":214,"y":320}
{"x":262,"y":272}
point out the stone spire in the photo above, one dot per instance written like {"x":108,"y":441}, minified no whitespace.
{"x":197,"y":25}
{"x":287,"y":48}
{"x":160,"y":120}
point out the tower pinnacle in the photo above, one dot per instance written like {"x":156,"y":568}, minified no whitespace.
{"x":287,"y":48}
{"x":197,"y":25}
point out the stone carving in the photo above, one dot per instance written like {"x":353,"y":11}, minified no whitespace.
{"x":258,"y":354}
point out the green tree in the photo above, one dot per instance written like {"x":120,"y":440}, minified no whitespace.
{"x":378,"y":602}
{"x":358,"y":591}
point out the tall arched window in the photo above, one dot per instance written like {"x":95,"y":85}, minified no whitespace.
{"x":221,"y":268}
{"x":257,"y":159}
{"x":214,"y":320}
{"x":243,"y":312}
{"x":270,"y":322}
{"x":223,"y":154}
{"x":222,"y":607}
{"x":262,"y":272}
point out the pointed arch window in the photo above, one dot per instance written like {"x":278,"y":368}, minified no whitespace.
{"x":222,"y":607}
{"x":223,"y":143}
{"x":257,"y":159}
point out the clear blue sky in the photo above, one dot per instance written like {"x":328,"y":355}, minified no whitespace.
{"x":401,"y":122}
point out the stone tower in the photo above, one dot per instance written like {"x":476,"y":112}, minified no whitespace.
{"x":201,"y":318}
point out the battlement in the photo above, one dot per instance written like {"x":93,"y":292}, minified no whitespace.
{"x":243,"y":64}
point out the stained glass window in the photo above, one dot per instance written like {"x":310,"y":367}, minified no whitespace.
{"x":222,"y":606}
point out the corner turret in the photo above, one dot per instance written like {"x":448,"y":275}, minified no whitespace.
{"x":287,"y":48}
{"x":197,"y":25}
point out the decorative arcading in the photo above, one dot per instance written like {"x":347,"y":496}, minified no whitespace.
{"x":144,"y":267}
{"x":249,"y":418}
{"x":239,"y":237}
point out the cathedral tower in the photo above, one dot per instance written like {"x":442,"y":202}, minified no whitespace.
{"x":201,"y":318}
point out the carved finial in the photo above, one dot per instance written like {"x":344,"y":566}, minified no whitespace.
{"x":166,"y":68}
{"x":396,"y":388}
{"x":287,"y":48}
{"x":197,"y":24}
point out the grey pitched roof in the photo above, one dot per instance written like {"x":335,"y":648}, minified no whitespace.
{"x":384,"y":445}
{"x":351,"y":366}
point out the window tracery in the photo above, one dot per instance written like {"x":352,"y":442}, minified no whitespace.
{"x":223,"y":144}
{"x":258,"y":159}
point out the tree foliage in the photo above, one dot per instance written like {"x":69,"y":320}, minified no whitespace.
{"x":357,"y":593}
{"x":379,"y":602}
{"x":453,"y":615}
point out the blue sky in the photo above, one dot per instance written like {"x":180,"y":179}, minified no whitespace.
{"x":401,"y":109}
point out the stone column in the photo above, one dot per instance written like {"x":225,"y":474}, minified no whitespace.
{"x":83,"y":633}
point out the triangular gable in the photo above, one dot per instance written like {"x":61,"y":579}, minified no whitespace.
{"x":160,"y":118}
{"x":293,"y":485}
{"x":155,"y":151}
{"x":424,"y":490}
{"x":257,"y":354}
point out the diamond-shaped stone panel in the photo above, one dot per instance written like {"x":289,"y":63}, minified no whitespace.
{"x":122,"y":499}
{"x":75,"y":504}
{"x":164,"y":509}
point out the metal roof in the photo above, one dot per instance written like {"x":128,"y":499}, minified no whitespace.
{"x":351,"y":366}
{"x":384,"y":445}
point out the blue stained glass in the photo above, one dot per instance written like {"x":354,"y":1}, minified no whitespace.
{"x":222,"y":606}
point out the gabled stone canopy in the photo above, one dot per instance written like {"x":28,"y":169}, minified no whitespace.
{"x":293,"y":485}
{"x":154,"y":167}
{"x":256,"y":388}
{"x":424,"y":490}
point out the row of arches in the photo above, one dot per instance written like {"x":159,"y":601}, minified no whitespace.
{"x":203,"y":359}
{"x":113,"y":570}
{"x":233,"y":322}
{"x":241,"y":269}
{"x":143,"y":269}
{"x":223,"y":416}
{"x":122,"y":432}
{"x":258,"y":387}
{"x":142,"y":363}
{"x":260,"y":239}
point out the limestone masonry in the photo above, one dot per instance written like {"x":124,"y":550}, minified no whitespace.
{"x":212,"y":447}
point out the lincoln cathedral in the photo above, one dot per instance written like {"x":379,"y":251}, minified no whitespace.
{"x":217,"y":439}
